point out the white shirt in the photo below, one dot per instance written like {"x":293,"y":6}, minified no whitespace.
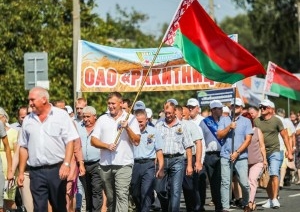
{"x":46,"y":141}
{"x":197,"y":120}
{"x":285,"y":126}
{"x":106,"y":131}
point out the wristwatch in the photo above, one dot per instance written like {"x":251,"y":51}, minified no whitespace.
{"x":67,"y":164}
{"x":237,"y":151}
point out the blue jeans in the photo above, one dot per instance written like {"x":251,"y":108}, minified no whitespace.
{"x":241,"y":168}
{"x":142,"y":185}
{"x":169,"y":188}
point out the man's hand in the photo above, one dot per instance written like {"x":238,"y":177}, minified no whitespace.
{"x":233,"y":125}
{"x":112,"y":147}
{"x":289,"y":156}
{"x":198,"y":167}
{"x":189,"y":170}
{"x":81,"y":168}
{"x":20,"y":179}
{"x":160,"y":173}
{"x":64,"y":172}
{"x":234,"y":156}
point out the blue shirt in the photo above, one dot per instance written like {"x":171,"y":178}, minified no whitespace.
{"x":151,"y":141}
{"x":90,"y":153}
{"x":243,"y":128}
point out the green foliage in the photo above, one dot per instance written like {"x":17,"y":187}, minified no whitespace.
{"x":275,"y":29}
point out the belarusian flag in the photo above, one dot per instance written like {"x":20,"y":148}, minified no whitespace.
{"x":207,"y":48}
{"x":282,"y":82}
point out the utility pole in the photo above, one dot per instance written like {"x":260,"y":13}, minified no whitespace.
{"x":212,"y":9}
{"x":76,"y":38}
{"x":298,"y":8}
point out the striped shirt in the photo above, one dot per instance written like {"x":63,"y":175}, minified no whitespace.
{"x":176,"y":138}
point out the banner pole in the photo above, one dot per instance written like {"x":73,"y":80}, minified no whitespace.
{"x":139,"y":90}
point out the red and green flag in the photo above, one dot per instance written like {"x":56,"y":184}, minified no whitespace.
{"x":282,"y":82}
{"x":207,"y":48}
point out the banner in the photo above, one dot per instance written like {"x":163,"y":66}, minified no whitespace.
{"x":223,"y":95}
{"x":106,"y":69}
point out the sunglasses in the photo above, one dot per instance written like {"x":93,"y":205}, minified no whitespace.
{"x":263,"y":107}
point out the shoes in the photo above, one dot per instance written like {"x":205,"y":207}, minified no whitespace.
{"x":268,"y":204}
{"x":275,"y":203}
{"x":297,"y":183}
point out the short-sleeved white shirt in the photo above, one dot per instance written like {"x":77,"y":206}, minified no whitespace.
{"x":46,"y":141}
{"x":106,"y":130}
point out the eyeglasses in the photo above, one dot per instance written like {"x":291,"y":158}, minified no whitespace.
{"x":79,"y":108}
{"x":263,"y":107}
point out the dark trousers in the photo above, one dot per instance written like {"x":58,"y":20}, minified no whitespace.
{"x":190,"y":187}
{"x":169,"y":188}
{"x":213,"y":169}
{"x":142,"y":185}
{"x":92,"y":185}
{"x":46,"y":185}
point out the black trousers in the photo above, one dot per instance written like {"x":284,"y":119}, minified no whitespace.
{"x":46,"y":185}
{"x":194,"y":189}
{"x":213,"y":168}
{"x":92,"y":185}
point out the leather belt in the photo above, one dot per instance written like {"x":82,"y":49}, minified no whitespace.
{"x":213,"y":153}
{"x":144,"y":160}
{"x":172,"y":155}
{"x":88,"y":163}
{"x":45,"y":166}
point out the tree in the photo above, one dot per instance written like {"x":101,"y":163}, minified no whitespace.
{"x":274,"y":25}
{"x":46,"y":25}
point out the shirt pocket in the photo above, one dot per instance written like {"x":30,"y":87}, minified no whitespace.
{"x":54,"y":130}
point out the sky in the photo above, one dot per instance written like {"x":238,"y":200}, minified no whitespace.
{"x":162,"y":11}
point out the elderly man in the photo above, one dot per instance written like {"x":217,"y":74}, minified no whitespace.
{"x":46,"y":144}
{"x":91,"y":181}
{"x":239,"y":129}
{"x":116,"y":151}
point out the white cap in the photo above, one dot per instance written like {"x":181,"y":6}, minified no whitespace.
{"x":268,"y":103}
{"x":149,"y":113}
{"x":139,"y":105}
{"x":174,"y":101}
{"x":69,"y":109}
{"x":226,"y":109}
{"x":238,"y":102}
{"x":215,"y":104}
{"x":192,"y":102}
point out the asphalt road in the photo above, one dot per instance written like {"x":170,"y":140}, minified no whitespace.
{"x":289,"y":200}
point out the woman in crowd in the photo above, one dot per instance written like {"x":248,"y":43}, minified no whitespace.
{"x":256,"y":160}
{"x":12,"y":135}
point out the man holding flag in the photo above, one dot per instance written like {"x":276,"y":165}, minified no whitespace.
{"x":237,"y":134}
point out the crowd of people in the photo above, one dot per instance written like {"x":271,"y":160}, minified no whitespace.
{"x":53,"y":158}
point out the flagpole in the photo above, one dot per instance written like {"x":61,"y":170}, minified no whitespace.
{"x":139,"y":91}
{"x":232,"y":144}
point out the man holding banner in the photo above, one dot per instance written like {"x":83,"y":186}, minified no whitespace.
{"x":116,"y":156}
